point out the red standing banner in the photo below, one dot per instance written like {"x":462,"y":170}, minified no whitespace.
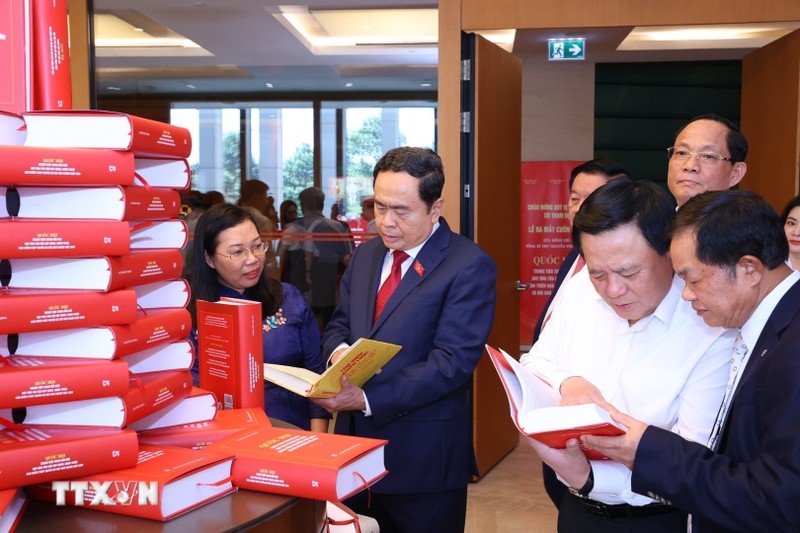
{"x":545,"y":235}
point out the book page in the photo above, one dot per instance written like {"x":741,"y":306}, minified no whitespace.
{"x":535,"y":392}
{"x":358,"y":363}
{"x":296,"y":379}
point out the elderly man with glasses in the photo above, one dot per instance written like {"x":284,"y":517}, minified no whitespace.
{"x":708,"y":155}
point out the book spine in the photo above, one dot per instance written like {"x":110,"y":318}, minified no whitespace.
{"x":159,"y":139}
{"x":230,"y":352}
{"x":139,"y":268}
{"x":291,"y":478}
{"x":151,"y":204}
{"x":16,"y":84}
{"x":53,"y":86}
{"x":23,"y":311}
{"x":34,"y":165}
{"x":51,"y":238}
{"x":152,"y":329}
{"x":51,"y":460}
{"x":155,"y":390}
{"x":30,"y":381}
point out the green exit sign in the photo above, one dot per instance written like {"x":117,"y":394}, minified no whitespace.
{"x":566,"y":49}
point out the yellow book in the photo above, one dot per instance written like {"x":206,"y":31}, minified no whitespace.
{"x":359,"y":363}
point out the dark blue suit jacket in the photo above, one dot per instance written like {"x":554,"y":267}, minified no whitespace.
{"x":441,"y":313}
{"x":753,"y":482}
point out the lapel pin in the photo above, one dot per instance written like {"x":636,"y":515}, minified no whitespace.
{"x":418,"y":268}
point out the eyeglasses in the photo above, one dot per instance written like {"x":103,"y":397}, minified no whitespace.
{"x":705,"y":158}
{"x":240,"y":256}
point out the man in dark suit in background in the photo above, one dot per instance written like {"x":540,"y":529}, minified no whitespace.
{"x":441,"y":313}
{"x":729,"y":247}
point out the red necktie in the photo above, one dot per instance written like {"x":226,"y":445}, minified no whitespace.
{"x":391,"y":283}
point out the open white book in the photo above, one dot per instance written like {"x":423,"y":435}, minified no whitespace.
{"x":536,"y":412}
{"x":359,"y":363}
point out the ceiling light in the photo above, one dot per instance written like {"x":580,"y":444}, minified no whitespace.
{"x":269,"y":86}
{"x":348,"y":84}
{"x":131,"y":33}
{"x":362,"y":31}
{"x":190,"y":86}
{"x":425,"y":84}
{"x":112,"y":88}
{"x":502,"y":38}
{"x":718,"y":36}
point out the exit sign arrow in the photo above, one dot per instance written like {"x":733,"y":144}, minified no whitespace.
{"x":566,"y":49}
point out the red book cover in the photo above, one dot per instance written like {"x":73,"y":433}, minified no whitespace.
{"x":172,"y":173}
{"x":107,"y":129}
{"x":198,"y":435}
{"x":33,"y":455}
{"x":230,"y":351}
{"x":153,"y":391}
{"x":53,"y":86}
{"x":165,"y":483}
{"x":16,"y":84}
{"x":153,"y":203}
{"x":535,"y":410}
{"x":199,"y":406}
{"x":152,"y":329}
{"x":12,"y":504}
{"x":159,"y":234}
{"x":103,"y":203}
{"x":163,"y":294}
{"x":94,"y":273}
{"x":33,"y":310}
{"x":147,"y":393}
{"x":63,"y":238}
{"x":294,"y":462}
{"x":36,"y":381}
{"x":31,"y":165}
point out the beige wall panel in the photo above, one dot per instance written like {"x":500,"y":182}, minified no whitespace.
{"x":557,"y":111}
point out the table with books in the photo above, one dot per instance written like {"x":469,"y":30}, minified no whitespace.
{"x":244,"y":510}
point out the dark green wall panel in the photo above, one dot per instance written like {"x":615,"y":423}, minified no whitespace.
{"x":640,"y":106}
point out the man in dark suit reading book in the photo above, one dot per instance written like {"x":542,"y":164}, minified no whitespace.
{"x":440,"y":312}
{"x":622,"y":336}
{"x":729,"y":249}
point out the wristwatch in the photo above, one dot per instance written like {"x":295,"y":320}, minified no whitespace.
{"x":584,"y":491}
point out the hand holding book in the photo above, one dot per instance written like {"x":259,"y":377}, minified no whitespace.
{"x":538,"y":411}
{"x":359,"y":362}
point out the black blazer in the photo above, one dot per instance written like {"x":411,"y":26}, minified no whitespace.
{"x":753,"y":482}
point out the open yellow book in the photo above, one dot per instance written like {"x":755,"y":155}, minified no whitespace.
{"x":359,"y":363}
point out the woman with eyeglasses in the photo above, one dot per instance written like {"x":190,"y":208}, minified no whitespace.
{"x":228,"y":260}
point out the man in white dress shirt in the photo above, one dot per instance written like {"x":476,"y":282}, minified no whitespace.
{"x":634,"y":345}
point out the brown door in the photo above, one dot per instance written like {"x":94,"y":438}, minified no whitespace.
{"x":491,"y":152}
{"x":771,"y":119}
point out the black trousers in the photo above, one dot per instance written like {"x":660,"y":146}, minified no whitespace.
{"x":437,"y":512}
{"x":574,"y":518}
